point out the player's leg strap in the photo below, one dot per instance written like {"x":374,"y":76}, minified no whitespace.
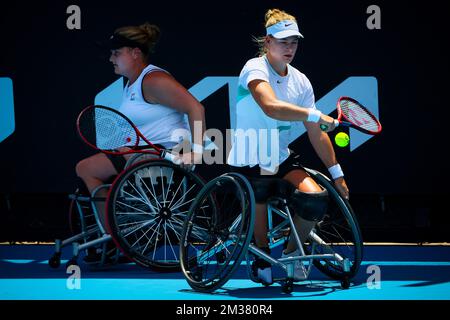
{"x":118,"y":161}
{"x":310,"y":206}
{"x":264,"y":188}
{"x":80,"y":187}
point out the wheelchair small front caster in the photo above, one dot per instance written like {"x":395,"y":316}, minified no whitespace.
{"x":287,"y":286}
{"x":221,"y":257}
{"x":198,"y":275}
{"x":55,"y":260}
{"x":71,"y":262}
{"x":345,"y":283}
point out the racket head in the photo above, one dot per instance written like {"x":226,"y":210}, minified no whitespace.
{"x":105,"y":129}
{"x":354,"y":114}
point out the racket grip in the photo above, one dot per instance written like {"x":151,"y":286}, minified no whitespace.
{"x":170,"y":157}
{"x":324,"y":127}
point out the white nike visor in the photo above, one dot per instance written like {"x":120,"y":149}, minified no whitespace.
{"x":284,"y":29}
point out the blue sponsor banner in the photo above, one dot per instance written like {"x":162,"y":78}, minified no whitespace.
{"x":363,"y":89}
{"x":7,"y":124}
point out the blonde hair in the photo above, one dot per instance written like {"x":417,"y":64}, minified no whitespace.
{"x":271,"y":17}
{"x":146,"y":35}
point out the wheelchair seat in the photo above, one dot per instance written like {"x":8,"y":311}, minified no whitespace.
{"x":269,"y":187}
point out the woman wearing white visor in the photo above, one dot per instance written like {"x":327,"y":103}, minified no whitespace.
{"x":273,"y":95}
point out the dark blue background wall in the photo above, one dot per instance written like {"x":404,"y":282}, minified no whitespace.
{"x":56,"y":72}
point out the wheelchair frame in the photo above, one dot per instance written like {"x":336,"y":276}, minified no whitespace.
{"x":82,"y":241}
{"x":332,"y":263}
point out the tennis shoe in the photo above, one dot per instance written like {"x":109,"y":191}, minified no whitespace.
{"x":300,"y":272}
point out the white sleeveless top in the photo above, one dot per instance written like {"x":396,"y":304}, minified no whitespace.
{"x":155,"y":121}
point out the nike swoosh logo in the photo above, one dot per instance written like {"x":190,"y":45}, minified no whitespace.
{"x":284,"y":128}
{"x":287,"y":25}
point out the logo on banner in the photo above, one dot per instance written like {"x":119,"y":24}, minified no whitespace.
{"x":362,"y":89}
{"x":7,"y":124}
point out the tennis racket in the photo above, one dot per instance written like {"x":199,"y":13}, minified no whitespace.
{"x":109,"y":131}
{"x":353,"y":114}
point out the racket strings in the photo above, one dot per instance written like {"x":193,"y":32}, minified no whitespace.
{"x":358,"y":115}
{"x":107,"y":130}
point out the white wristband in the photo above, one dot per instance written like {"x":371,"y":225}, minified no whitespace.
{"x":314,"y":115}
{"x":336,"y":171}
{"x":196,"y":148}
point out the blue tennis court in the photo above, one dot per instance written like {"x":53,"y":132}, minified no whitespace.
{"x":407,"y":272}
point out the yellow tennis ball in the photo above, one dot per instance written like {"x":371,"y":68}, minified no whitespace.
{"x":342,"y":139}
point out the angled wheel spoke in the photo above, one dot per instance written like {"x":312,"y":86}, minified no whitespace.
{"x":166,"y":234}
{"x":162,"y":185}
{"x":152,"y":193}
{"x":143,"y":235}
{"x":177,"y":204}
{"x":176,"y":192}
{"x":174,"y":229}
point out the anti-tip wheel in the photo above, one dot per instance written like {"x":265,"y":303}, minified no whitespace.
{"x":345,"y":283}
{"x":55,"y":261}
{"x":287,"y":287}
{"x":72,"y":262}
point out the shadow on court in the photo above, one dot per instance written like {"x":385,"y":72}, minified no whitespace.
{"x":307,"y":288}
{"x":417,"y":264}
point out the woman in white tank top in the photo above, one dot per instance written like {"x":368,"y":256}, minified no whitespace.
{"x":152,"y":99}
{"x":273,"y":94}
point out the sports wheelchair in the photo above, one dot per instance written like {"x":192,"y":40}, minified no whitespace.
{"x":145,"y":210}
{"x":217,"y":235}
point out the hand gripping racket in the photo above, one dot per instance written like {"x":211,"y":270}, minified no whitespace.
{"x":353,"y":114}
{"x":109,"y":131}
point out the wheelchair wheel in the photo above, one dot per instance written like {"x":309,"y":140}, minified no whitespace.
{"x":146,"y":208}
{"x":338,"y":232}
{"x":135,"y":158}
{"x":81,"y":218}
{"x":74,"y":218}
{"x":217,"y":232}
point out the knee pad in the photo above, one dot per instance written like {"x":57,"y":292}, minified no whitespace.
{"x":309,"y":206}
{"x":262,"y":189}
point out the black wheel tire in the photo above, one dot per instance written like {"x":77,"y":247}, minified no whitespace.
{"x":71,"y":262}
{"x":287,"y":287}
{"x":226,"y":269}
{"x":122,"y":243}
{"x":345,"y":283}
{"x":351,"y":223}
{"x":55,"y":261}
